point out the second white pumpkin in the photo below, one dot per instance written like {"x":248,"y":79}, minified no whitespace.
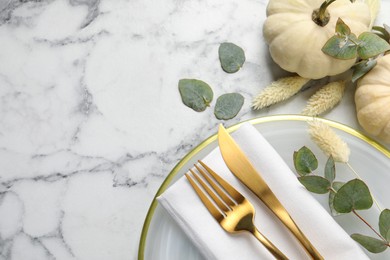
{"x":372,"y":98}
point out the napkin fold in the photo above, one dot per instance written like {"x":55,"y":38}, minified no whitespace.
{"x":183,"y":204}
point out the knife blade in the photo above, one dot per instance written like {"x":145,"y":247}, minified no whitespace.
{"x":243,"y":169}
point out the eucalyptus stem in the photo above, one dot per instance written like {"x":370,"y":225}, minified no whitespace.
{"x":353,"y":41}
{"x":368,"y":224}
{"x":358,"y":176}
{"x":321,"y":15}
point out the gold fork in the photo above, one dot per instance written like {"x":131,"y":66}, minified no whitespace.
{"x":232,"y":210}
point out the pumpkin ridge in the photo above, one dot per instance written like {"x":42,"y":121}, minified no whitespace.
{"x":290,"y":60}
{"x":283,"y":25}
{"x":353,"y":15}
{"x":308,"y":55}
{"x":373,"y":122}
{"x":358,"y":26}
{"x":380,"y":99}
{"x":363,"y":99}
{"x":373,"y":79}
{"x":368,"y":117}
{"x":282,"y":6}
{"x":385,"y":133}
{"x":353,"y":12}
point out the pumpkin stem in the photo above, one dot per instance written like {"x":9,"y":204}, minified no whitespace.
{"x":321,"y":15}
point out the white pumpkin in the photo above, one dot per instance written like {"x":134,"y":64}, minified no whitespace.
{"x":372,"y":98}
{"x":295,"y":40}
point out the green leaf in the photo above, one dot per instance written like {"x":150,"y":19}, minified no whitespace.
{"x":384,"y":224}
{"x":382,"y":32}
{"x":373,"y":245}
{"x":387,"y":28}
{"x":341,"y":47}
{"x":195,"y":94}
{"x":305,"y":161}
{"x":362,"y":68}
{"x":231,"y":56}
{"x":315,"y":184}
{"x":228,"y":105}
{"x":330,"y":169}
{"x":354,"y":195}
{"x":371,"y":45}
{"x":336,"y":186}
{"x":342,"y":28}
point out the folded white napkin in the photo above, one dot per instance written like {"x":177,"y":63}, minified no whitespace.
{"x":187,"y":210}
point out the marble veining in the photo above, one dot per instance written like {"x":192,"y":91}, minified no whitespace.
{"x":91,"y":121}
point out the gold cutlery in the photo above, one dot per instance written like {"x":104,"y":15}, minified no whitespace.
{"x":231,"y":210}
{"x":243,"y":169}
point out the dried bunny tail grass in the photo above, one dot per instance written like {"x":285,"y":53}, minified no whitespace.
{"x":331,"y":144}
{"x":278,"y":91}
{"x":328,"y":141}
{"x":325,"y":98}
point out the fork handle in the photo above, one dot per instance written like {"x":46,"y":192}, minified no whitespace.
{"x":268,"y":244}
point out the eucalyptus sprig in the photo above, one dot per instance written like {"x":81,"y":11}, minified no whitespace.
{"x":332,"y":145}
{"x":344,"y":197}
{"x":366,"y":47}
{"x":383,"y":32}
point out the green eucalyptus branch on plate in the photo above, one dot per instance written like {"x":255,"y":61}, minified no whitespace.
{"x":344,"y":197}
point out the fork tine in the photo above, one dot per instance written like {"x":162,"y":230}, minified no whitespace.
{"x":240,"y":215}
{"x":228,"y":188}
{"x":217,"y":188}
{"x":211,"y":193}
{"x":206,"y":201}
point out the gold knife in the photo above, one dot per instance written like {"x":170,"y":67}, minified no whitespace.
{"x":242,"y":168}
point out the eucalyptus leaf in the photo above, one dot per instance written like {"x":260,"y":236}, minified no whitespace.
{"x":342,"y":28}
{"x":315,"y":183}
{"x":382,"y":32}
{"x":362,"y":69}
{"x":231,"y":56}
{"x":195,"y":94}
{"x":341,"y":47}
{"x":373,"y":245}
{"x":354,"y":195}
{"x":330,"y":169}
{"x":335,"y":187}
{"x":371,"y":45}
{"x":387,"y":28}
{"x":384,"y":224}
{"x":305,"y":161}
{"x":228,"y":105}
{"x":381,"y":35}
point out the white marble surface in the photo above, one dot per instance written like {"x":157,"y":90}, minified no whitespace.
{"x":91,"y":120}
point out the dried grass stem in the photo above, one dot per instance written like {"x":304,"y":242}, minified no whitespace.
{"x":278,"y":91}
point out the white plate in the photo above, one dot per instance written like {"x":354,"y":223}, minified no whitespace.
{"x":162,"y":239}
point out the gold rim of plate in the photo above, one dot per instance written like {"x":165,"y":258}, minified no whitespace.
{"x":255,"y":121}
